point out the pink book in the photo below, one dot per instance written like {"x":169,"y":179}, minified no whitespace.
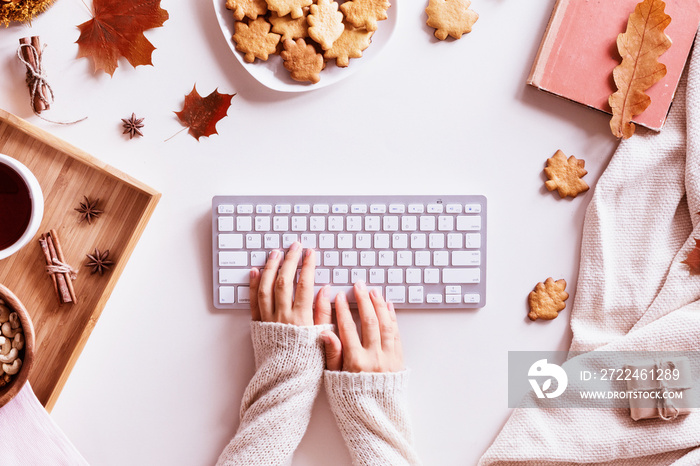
{"x":579,"y":52}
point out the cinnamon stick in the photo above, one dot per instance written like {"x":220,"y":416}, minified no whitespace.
{"x":60,"y":278}
{"x":59,"y":252}
{"x":47,"y":256}
{"x":39,"y":98}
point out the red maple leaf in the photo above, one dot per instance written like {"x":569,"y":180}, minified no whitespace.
{"x":116,"y":29}
{"x":200,"y":114}
{"x":693,"y":260}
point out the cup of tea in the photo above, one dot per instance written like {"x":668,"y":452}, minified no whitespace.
{"x":21,"y":206}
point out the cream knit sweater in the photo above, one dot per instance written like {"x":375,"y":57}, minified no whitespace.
{"x":370,"y":408}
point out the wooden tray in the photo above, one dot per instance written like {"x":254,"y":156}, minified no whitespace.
{"x":65,"y":175}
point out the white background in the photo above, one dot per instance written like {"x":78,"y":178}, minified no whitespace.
{"x":161,"y":378}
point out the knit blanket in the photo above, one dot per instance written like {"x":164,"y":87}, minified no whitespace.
{"x":633,"y":294}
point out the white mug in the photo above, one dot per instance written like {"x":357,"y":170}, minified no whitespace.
{"x":37,"y":204}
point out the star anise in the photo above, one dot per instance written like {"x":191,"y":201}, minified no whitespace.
{"x":99,"y":261}
{"x":133,"y":126}
{"x":88,"y":209}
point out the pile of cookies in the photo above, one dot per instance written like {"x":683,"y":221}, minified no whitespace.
{"x":11,"y":344}
{"x":306,"y":33}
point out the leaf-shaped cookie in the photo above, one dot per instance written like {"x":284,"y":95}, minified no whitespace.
{"x":250,"y":8}
{"x":349,"y":45}
{"x":325,"y":23}
{"x":289,"y":7}
{"x":640,"y":46}
{"x":302,"y":60}
{"x":565,"y":175}
{"x":288,"y":27}
{"x":450,"y":17}
{"x":365,"y":13}
{"x":547,"y":299}
{"x":255,"y":39}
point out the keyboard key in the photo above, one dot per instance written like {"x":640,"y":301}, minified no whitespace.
{"x":368,"y":258}
{"x":321,"y":208}
{"x":395,"y":275}
{"x":272,"y":241}
{"x":416,"y":208}
{"x":341,"y":276}
{"x":227,"y":294}
{"x":244,"y":295}
{"x":331,"y":258}
{"x":468,"y":222}
{"x":258,"y":258}
{"x":302,"y":209}
{"x":230,"y":241}
{"x":339,"y":209}
{"x":234,"y":276}
{"x":317,"y":223}
{"x":453,"y":208}
{"x":233,"y":258}
{"x":280,"y":223}
{"x":283,"y":209}
{"x":418,"y":241}
{"x":454,"y":241}
{"x":427,"y":223}
{"x":263,"y":209}
{"x":413,"y":275}
{"x":358,"y":275}
{"x":453,"y":289}
{"x":466,"y":258}
{"x":404,"y":258}
{"x":298,"y":223}
{"x":409,"y":223}
{"x":415,"y":294}
{"x":326,"y":241}
{"x":253,"y":241}
{"x":334,"y":290}
{"x":431,"y":276}
{"x":353,"y":223}
{"x":349,"y":258}
{"x":288,"y":239}
{"x":396,"y":294}
{"x":473,"y":240}
{"x":322,"y":276}
{"x":472,"y":208}
{"x":377,"y":208}
{"x":225,"y":209}
{"x":381,"y":241}
{"x":386,"y":258}
{"x":391,"y":223}
{"x":437,"y":240}
{"x":345,"y":241}
{"x":435,"y":208}
{"x":453,"y":298}
{"x":262,"y":223}
{"x":446,"y":223}
{"x":372,"y":223}
{"x":335,"y":223}
{"x":308,"y":241}
{"x":358,"y":208}
{"x":245,"y":209}
{"x":399,"y":241}
{"x":376,"y":275}
{"x":363,"y":241}
{"x":397,"y":208}
{"x":434,"y":298}
{"x":472,"y":275}
{"x":244,"y":223}
{"x":422,"y":258}
{"x":441,"y":258}
{"x":225,"y":223}
{"x":472,"y":298}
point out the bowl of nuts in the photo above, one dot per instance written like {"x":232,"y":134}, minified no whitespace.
{"x":16,"y":345}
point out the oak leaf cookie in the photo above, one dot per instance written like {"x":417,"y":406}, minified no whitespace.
{"x":255,"y":39}
{"x":547,"y":299}
{"x":250,"y":8}
{"x":302,"y":60}
{"x":349,"y":45}
{"x":450,"y":17}
{"x":565,"y":175}
{"x":288,"y":27}
{"x":295,"y":8}
{"x":365,"y":13}
{"x":325,"y":23}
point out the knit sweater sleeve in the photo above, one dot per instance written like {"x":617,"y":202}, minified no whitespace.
{"x":371,"y":411}
{"x":277,"y":403}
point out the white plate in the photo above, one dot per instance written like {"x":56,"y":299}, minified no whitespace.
{"x":272,"y":73}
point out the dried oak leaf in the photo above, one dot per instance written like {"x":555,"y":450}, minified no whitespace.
{"x":640,"y":46}
{"x":547,"y":299}
{"x":200,"y":114}
{"x":693,"y":259}
{"x":116,"y":29}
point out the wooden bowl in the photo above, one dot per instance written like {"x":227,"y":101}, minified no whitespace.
{"x":18,"y":380}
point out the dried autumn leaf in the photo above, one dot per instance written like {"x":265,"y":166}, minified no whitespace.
{"x":116,"y":29}
{"x":693,"y":259}
{"x":640,"y":46}
{"x":200,"y":114}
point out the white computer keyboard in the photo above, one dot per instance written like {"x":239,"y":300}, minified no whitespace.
{"x":419,"y":251}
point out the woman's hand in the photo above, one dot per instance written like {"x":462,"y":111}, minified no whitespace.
{"x":272,"y":289}
{"x":379,"y":349}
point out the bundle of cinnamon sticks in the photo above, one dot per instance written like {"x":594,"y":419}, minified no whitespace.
{"x":62,"y":275}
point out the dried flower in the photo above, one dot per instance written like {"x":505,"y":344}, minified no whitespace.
{"x":99,"y":261}
{"x":132,"y":126}
{"x":88,"y":209}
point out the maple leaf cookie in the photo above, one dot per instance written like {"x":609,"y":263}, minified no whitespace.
{"x":302,"y":60}
{"x":255,"y":39}
{"x":325,"y":23}
{"x":547,"y":299}
{"x":565,"y":175}
{"x":295,"y":8}
{"x":365,"y":13}
{"x":349,"y":45}
{"x":288,"y":27}
{"x":250,"y":8}
{"x":450,"y":17}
